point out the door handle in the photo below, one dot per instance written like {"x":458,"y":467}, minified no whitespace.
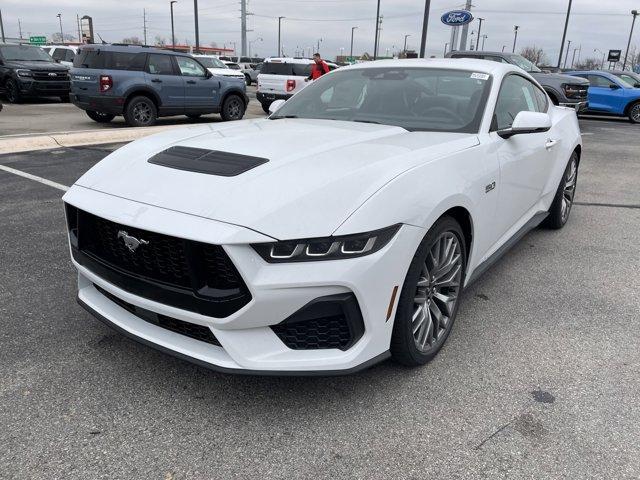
{"x":191,"y":82}
{"x":550,"y":143}
{"x":156,"y":80}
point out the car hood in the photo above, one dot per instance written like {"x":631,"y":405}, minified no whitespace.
{"x":227,"y":72}
{"x":318,"y":171}
{"x":48,"y":66}
{"x":560,"y":78}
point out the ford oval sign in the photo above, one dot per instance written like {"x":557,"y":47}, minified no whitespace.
{"x":455,"y":18}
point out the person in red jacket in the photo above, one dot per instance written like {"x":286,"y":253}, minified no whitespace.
{"x":319,"y":68}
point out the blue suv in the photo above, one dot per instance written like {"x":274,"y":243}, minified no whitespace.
{"x":144,"y":83}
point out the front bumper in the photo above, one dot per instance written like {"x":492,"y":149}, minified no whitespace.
{"x":36,"y":88}
{"x":577,"y":106}
{"x":247,"y":343}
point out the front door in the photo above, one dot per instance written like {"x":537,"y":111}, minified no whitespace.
{"x":605,"y":95}
{"x":525,"y":159}
{"x":201,"y":90}
{"x":162,"y":77}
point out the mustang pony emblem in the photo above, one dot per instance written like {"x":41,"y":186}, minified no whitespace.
{"x":132,"y":243}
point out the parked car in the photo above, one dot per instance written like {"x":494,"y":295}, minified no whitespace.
{"x":63,"y":54}
{"x":143,"y":83}
{"x":280,"y":78}
{"x":337,"y":232}
{"x":218,"y":67}
{"x":251,"y":74}
{"x":28,"y":71}
{"x":562,"y":89}
{"x":632,"y":78}
{"x":611,"y":95}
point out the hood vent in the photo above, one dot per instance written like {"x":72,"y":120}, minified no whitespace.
{"x":211,"y":162}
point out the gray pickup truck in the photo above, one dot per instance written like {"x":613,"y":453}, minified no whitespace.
{"x":564,"y":90}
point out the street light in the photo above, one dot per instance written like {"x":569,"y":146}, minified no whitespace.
{"x":173,"y":33}
{"x":279,"y":35}
{"x":405,"y":43}
{"x":445,"y":49}
{"x":484,"y":37}
{"x":259,"y":39}
{"x":515,"y":37}
{"x":480,"y":20}
{"x":634,"y":13}
{"x":62,"y":34}
{"x":195,"y":19}
{"x":567,"y":55}
{"x":351,"y":53}
{"x":503,"y":47}
{"x":599,"y":51}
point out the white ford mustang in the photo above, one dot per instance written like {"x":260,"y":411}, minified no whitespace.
{"x":337,"y":232}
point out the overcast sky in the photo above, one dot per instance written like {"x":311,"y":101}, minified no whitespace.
{"x":594,"y":23}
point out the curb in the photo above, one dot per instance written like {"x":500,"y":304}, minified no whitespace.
{"x":75,"y":139}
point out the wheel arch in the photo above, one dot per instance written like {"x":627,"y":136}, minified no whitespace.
{"x":142,"y":92}
{"x":629,"y":105}
{"x":463,"y":217}
{"x":235,"y":91}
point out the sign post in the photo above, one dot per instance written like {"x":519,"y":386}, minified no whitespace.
{"x":38,"y":40}
{"x":455,"y":19}
{"x":614,"y":57}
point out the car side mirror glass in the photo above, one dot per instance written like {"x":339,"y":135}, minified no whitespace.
{"x":275,"y":105}
{"x":527,"y":122}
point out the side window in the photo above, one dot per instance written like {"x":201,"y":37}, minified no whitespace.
{"x":70,"y":55}
{"x":597,"y":81}
{"x":517,"y":94}
{"x":160,"y":64}
{"x":189,"y":67}
{"x":58,"y":54}
{"x":137,"y":62}
{"x":494,"y":58}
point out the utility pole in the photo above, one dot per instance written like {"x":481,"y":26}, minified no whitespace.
{"x":319,"y":42}
{"x":564,"y":36}
{"x":445,"y":48}
{"x":515,"y":37}
{"x":375,"y":44}
{"x":624,"y":64}
{"x":567,"y":55}
{"x":19,"y":29}
{"x":379,"y":32}
{"x":79,"y":32}
{"x":173,"y":32}
{"x":144,"y":25}
{"x":279,"y":35}
{"x":195,"y":15}
{"x":351,"y":51}
{"x":573,"y":58}
{"x":425,"y":24}
{"x":243,"y":28}
{"x":1,"y":26}
{"x":405,"y":43}
{"x":484,"y":37}
{"x":480,"y":20}
{"x":465,"y":29}
{"x":61,"y":34}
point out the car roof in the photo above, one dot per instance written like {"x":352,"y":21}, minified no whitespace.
{"x":606,"y":73}
{"x":480,"y":52}
{"x":121,"y":47}
{"x":470,"y":64}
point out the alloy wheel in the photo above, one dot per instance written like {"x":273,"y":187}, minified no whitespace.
{"x":437,"y":292}
{"x":635,"y":113}
{"x":233,"y":109}
{"x":12,"y":92}
{"x":569,"y":190}
{"x":142,"y":112}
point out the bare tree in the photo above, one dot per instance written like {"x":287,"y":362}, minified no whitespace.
{"x":588,"y":64}
{"x":56,"y":38}
{"x":132,"y":41}
{"x":534,"y":54}
{"x":160,"y":41}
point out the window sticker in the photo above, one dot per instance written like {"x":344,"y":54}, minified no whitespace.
{"x":480,"y":76}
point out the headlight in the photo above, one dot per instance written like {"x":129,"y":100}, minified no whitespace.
{"x":327,"y":248}
{"x":24,"y":73}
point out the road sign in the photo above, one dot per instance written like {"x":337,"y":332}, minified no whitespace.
{"x":456,"y":18}
{"x":614,"y":55}
{"x":38,"y":40}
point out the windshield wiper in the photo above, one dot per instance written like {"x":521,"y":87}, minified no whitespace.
{"x":278,"y":117}
{"x":365,"y":121}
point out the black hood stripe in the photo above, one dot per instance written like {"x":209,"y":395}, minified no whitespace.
{"x":211,"y":162}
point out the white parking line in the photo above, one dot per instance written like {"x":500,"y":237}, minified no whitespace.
{"x":44,"y":181}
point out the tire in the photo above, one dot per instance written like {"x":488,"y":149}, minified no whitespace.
{"x":265,"y":107}
{"x":247,"y":80}
{"x":100,"y":117}
{"x":634,"y":112}
{"x":194,"y":116}
{"x":140,"y":112}
{"x":427,"y":283}
{"x":12,"y":92}
{"x":563,"y":200}
{"x":232,"y":108}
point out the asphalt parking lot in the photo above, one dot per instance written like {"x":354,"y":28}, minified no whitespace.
{"x":539,"y":379}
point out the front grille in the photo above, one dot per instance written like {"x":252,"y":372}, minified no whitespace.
{"x":44,"y":76}
{"x":577,"y":92}
{"x":183,"y":273}
{"x":191,"y":330}
{"x":320,"y":333}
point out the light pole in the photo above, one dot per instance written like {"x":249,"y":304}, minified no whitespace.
{"x":405,"y":43}
{"x":503,"y":47}
{"x":445,"y":49}
{"x":61,"y":34}
{"x":598,"y":51}
{"x":471,"y":45}
{"x":425,"y":24}
{"x":515,"y":37}
{"x":567,"y":55}
{"x":351,"y":52}
{"x":319,"y":42}
{"x":624,"y":64}
{"x":279,"y":35}
{"x":573,"y":58}
{"x":195,"y":15}
{"x":375,"y":45}
{"x":480,"y":20}
{"x":251,"y":42}
{"x":173,"y":32}
{"x":484,"y":37}
{"x":564,"y":36}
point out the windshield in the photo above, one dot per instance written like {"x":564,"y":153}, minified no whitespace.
{"x":417,"y":99}
{"x":631,"y":78}
{"x":523,"y":63}
{"x":233,"y":66}
{"x":24,"y":52}
{"x":211,"y":62}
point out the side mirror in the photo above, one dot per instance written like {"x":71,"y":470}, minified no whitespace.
{"x":275,"y":105}
{"x":527,"y":122}
{"x":208,"y":74}
{"x":636,"y":85}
